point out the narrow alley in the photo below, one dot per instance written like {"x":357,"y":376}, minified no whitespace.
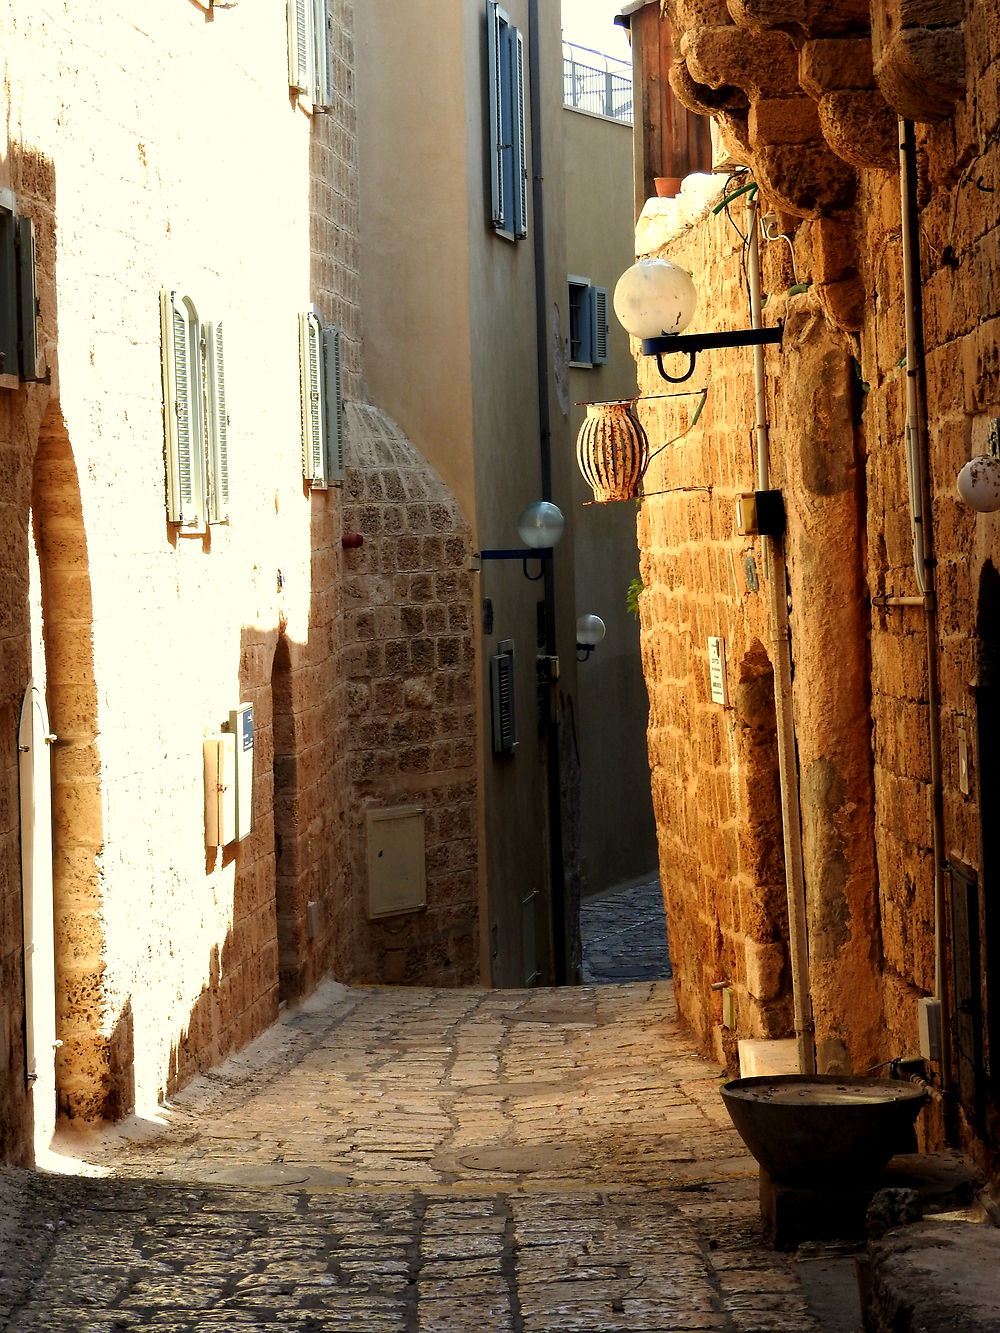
{"x":428,"y":1161}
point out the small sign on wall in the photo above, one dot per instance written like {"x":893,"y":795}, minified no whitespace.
{"x":717,"y":671}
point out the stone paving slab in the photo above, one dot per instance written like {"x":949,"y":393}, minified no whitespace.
{"x":339,"y":1174}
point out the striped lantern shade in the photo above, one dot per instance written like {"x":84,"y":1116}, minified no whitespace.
{"x":612,"y":451}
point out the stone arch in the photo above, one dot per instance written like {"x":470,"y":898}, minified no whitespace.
{"x":93,"y":1069}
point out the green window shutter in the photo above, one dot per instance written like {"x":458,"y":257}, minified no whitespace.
{"x":218,"y":426}
{"x":520,"y":220}
{"x":299,"y":44}
{"x":496,"y":28}
{"x":8,"y":284}
{"x":333,"y":414}
{"x":27,"y":300}
{"x":322,"y":95}
{"x":182,"y":411}
{"x":311,"y":380}
{"x":599,"y":325}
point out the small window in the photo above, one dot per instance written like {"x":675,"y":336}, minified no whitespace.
{"x":310,"y":60}
{"x":588,"y":323}
{"x":196,"y":423}
{"x":18,"y":301}
{"x":508,"y":159}
{"x":322,"y":402}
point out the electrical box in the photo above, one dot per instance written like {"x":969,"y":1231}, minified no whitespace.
{"x":397,"y":872}
{"x":220,"y":790}
{"x":929,"y":1028}
{"x":760,"y":514}
{"x":241,"y":727}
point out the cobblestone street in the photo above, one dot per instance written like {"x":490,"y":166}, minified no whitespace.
{"x":421,"y":1161}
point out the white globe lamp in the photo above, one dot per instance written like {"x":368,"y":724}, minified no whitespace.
{"x":541,"y":525}
{"x":655,"y":298}
{"x":979,"y":483}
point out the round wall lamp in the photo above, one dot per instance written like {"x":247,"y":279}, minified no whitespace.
{"x":590,"y":630}
{"x":540,"y":526}
{"x":655,"y":300}
{"x":979,"y":483}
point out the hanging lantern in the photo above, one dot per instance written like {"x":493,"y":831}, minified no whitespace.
{"x":612,"y":451}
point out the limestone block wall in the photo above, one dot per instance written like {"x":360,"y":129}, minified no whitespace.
{"x":411,"y":708}
{"x":713,"y":765}
{"x":811,"y":106}
{"x":169,"y":955}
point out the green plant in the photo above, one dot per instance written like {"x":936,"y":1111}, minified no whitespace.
{"x":632,"y":597}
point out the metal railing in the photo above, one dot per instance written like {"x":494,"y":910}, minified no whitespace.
{"x":597,"y":83}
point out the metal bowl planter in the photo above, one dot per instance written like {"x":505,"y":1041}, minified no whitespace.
{"x":824,"y":1129}
{"x":612,"y":451}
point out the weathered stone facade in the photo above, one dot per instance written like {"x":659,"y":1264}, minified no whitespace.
{"x":167,"y":955}
{"x":808,"y":97}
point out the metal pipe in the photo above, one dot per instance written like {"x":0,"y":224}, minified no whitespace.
{"x":562,"y":962}
{"x":788,"y":773}
{"x":923,"y":559}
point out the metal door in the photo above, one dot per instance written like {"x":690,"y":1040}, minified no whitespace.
{"x":33,"y":743}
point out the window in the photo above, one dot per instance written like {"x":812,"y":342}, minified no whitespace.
{"x":310,"y":63}
{"x":18,"y":301}
{"x":322,"y":402}
{"x":508,"y":166}
{"x":195,"y":418}
{"x":588,"y":323}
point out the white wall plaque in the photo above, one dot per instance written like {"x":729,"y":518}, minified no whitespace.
{"x":717,"y":671}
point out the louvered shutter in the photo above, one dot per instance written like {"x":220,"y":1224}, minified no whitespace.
{"x":299,"y":45}
{"x":599,"y":325}
{"x":218,"y":426}
{"x":313,"y":425}
{"x":182,"y":411}
{"x":502,"y":698}
{"x":323,"y":75}
{"x":496,"y":27}
{"x":27,"y":300}
{"x":520,"y":220}
{"x":333,"y":415}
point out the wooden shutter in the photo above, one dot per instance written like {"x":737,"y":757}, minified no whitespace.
{"x":182,"y":411}
{"x":496,"y":29}
{"x":299,"y":45}
{"x":599,"y":325}
{"x":520,"y":219}
{"x":502,"y":698}
{"x":218,"y":426}
{"x":311,"y":380}
{"x":8,"y":285}
{"x":322,"y":94}
{"x":333,"y":405}
{"x":27,"y":300}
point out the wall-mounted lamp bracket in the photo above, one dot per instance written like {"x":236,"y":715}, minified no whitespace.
{"x":693,"y":343}
{"x":524,"y":555}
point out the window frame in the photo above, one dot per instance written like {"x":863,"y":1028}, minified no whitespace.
{"x":195,"y":417}
{"x":18,"y":295}
{"x":310,"y":52}
{"x":505,"y":109}
{"x":587,"y":306}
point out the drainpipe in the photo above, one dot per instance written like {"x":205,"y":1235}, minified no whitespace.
{"x":788,"y":772}
{"x":917,"y":472}
{"x":562,"y":963}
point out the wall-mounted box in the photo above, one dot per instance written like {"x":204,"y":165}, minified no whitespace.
{"x":397,"y":871}
{"x":220,"y":790}
{"x":241,"y":727}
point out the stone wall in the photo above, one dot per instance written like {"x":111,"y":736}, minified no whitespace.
{"x":169,"y":955}
{"x":811,"y":106}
